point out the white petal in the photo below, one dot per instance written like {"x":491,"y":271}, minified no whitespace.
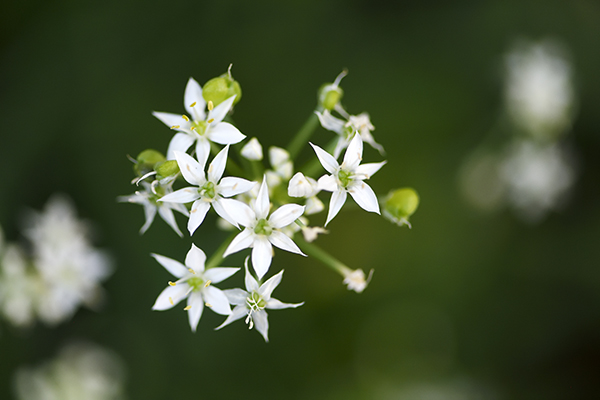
{"x":220,"y":111}
{"x":202,"y":150}
{"x":231,"y":186}
{"x":240,"y":212}
{"x":184,"y":195}
{"x":166,"y":214}
{"x":237,"y":313}
{"x":275,"y":304}
{"x":197,"y":214}
{"x":285,"y":215}
{"x":195,"y":300}
{"x":237,"y":297}
{"x":262,"y":254}
{"x":329,"y":163}
{"x":170,"y":293}
{"x":192,"y":170}
{"x":300,"y":186}
{"x":217,"y":299}
{"x":179,"y":142}
{"x":220,"y":206}
{"x":176,"y":268}
{"x":219,"y":274}
{"x":171,"y":120}
{"x":217,"y":166}
{"x":365,"y":171}
{"x":283,"y":241}
{"x":240,"y":242}
{"x":341,"y":144}
{"x":195,"y":259}
{"x":262,"y":323}
{"x":364,"y":197}
{"x":252,"y":150}
{"x":261,"y":206}
{"x":149,"y":213}
{"x":266,"y":289}
{"x":338,"y":199}
{"x":330,"y":122}
{"x":225,"y":133}
{"x":193,"y":94}
{"x":179,"y":208}
{"x":249,"y":281}
{"x":353,"y":154}
{"x":328,"y":183}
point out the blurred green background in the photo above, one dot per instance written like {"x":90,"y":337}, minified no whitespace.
{"x":466,"y":305}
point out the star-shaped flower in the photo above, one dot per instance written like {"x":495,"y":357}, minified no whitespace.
{"x":262,"y":232}
{"x":149,"y":199}
{"x":348,"y":178}
{"x":199,"y":127}
{"x":195,"y":284}
{"x":251,"y":303}
{"x":210,"y":191}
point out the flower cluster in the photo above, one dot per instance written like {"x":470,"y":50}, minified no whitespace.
{"x":267,"y":205}
{"x":62,"y":272}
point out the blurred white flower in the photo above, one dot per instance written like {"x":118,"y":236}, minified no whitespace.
{"x":355,"y":279}
{"x":252,"y":150}
{"x":539,"y":90}
{"x":80,"y":371}
{"x":18,"y":287}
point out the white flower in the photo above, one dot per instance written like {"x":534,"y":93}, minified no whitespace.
{"x":149,"y":199}
{"x":210,"y":191}
{"x":355,"y":279}
{"x":251,"y":303}
{"x":252,"y":150}
{"x":262,"y":232}
{"x":348,"y":178}
{"x":200,"y":128}
{"x":345,"y":129}
{"x":195,"y":284}
{"x":19,"y":296}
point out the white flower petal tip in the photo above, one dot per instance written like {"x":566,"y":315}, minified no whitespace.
{"x":355,"y":279}
{"x":252,"y":150}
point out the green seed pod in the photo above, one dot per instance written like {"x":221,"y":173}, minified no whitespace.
{"x":166,"y":169}
{"x":221,"y":88}
{"x":400,"y":204}
{"x":146,"y":160}
{"x":329,"y":95}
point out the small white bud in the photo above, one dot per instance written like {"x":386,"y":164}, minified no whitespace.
{"x":311,"y":233}
{"x":313,"y":206}
{"x":301,"y":186}
{"x":278,"y":156}
{"x":253,"y":150}
{"x":355,"y":280}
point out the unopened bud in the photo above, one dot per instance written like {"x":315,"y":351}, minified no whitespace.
{"x":400,"y":204}
{"x":221,"y":88}
{"x":146,"y":161}
{"x":166,"y":169}
{"x":252,"y":150}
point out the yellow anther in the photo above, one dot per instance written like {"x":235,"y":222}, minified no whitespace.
{"x":193,"y":104}
{"x":171,"y":300}
{"x":187,"y":308}
{"x":208,"y":305}
{"x":192,"y":271}
{"x":210,"y":121}
{"x":186,"y":118}
{"x":172,"y":283}
{"x":208,"y":282}
{"x":210,"y":105}
{"x":175,"y":127}
{"x":193,"y":128}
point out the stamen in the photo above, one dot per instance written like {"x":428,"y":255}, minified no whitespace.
{"x":192,"y":271}
{"x":172,"y":283}
{"x":193,"y":104}
{"x":186,"y":118}
{"x":171,"y":300}
{"x":193,"y":128}
{"x":210,"y":105}
{"x":187,"y":308}
{"x":207,"y":284}
{"x":175,"y":127}
{"x":210,"y":121}
{"x":208,"y":305}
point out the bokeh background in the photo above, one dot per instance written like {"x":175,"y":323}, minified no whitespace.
{"x":466,"y":305}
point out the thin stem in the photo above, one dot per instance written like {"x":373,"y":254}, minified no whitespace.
{"x":217,"y":256}
{"x":303,"y":136}
{"x":321,"y":255}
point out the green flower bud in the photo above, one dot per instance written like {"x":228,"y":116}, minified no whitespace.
{"x":330,"y":95}
{"x":166,"y":169}
{"x":400,"y":204}
{"x":221,"y":88}
{"x":146,"y":160}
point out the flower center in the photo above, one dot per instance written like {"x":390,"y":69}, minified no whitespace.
{"x":255,"y":303}
{"x":199,"y":127}
{"x":345,"y":178}
{"x":208,"y":190}
{"x":195,"y":283}
{"x":263,"y":228}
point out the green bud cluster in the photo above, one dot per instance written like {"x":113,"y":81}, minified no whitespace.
{"x":400,"y":204}
{"x":221,"y":88}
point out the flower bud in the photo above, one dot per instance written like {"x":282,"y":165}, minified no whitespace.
{"x":401,"y":204}
{"x":221,"y":88}
{"x":252,"y":150}
{"x":330,"y":94}
{"x":146,"y":160}
{"x":166,"y":169}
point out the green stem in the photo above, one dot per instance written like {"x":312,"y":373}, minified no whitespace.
{"x":303,"y":136}
{"x":321,"y":255}
{"x":217,"y":256}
